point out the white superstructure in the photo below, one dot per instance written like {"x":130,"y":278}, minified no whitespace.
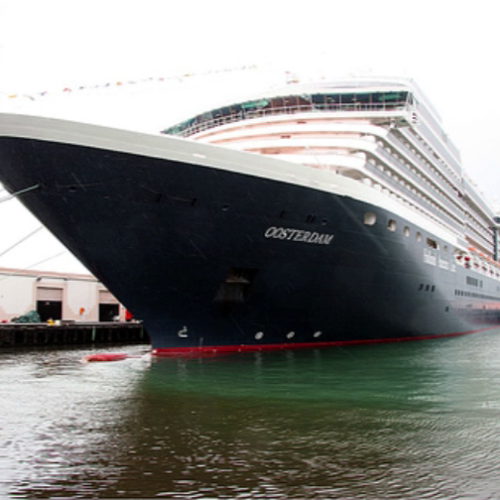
{"x":382,"y":133}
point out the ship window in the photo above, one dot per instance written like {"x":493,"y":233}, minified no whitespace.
{"x":391,"y":225}
{"x":369,"y":219}
{"x":347,"y":98}
{"x":406,"y":231}
{"x":418,"y":236}
{"x":432,"y":243}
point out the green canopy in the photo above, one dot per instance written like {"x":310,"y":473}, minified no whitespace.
{"x":255,"y":104}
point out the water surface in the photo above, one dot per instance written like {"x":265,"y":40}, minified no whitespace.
{"x":403,"y":420}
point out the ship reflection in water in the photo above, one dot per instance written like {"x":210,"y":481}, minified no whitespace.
{"x":407,"y":420}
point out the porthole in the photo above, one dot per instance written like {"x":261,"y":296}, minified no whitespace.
{"x":259,"y":335}
{"x":317,"y":334}
{"x":418,"y":236}
{"x":369,"y":219}
{"x":290,"y":335}
{"x":391,"y":225}
{"x":406,"y":231}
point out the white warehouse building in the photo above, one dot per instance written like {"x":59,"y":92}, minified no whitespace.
{"x":56,"y":296}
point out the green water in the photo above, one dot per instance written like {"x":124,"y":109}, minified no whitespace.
{"x":404,"y":420}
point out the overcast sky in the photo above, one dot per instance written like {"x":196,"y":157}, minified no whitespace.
{"x":448,"y":47}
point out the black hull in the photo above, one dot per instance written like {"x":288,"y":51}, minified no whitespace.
{"x":215,"y":258}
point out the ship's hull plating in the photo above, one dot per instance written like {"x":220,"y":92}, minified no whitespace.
{"x":215,"y":258}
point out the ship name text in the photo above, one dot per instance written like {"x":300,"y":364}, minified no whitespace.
{"x":283,"y":233}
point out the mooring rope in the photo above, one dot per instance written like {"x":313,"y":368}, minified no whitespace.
{"x":20,"y":192}
{"x":20,"y":241}
{"x":13,"y":273}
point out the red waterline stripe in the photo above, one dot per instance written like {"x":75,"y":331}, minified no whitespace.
{"x":173,"y":351}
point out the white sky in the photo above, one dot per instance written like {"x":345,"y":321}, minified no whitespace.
{"x":448,"y":47}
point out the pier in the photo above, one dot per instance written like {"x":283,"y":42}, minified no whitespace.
{"x":71,"y":333}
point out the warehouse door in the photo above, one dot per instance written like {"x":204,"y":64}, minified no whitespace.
{"x":49,"y":303}
{"x":109,"y":309}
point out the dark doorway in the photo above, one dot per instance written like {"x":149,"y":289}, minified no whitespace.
{"x":49,"y":309}
{"x":107,"y":312}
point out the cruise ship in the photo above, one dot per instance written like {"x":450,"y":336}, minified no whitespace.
{"x":309,"y":216}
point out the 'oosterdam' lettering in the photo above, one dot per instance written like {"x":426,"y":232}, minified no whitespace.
{"x":282,"y":233}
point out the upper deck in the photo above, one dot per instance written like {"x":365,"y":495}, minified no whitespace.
{"x":341,"y":101}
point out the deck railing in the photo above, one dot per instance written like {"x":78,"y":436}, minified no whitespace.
{"x":203,"y":122}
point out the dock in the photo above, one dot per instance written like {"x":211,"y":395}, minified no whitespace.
{"x":71,"y":333}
